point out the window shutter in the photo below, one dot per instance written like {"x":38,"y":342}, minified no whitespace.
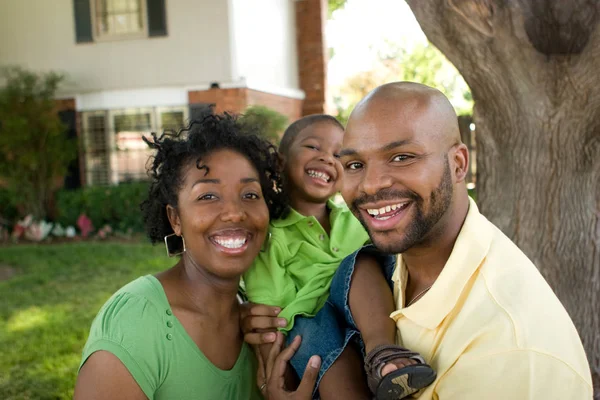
{"x":83,"y":21}
{"x":157,"y":18}
{"x":199,"y":111}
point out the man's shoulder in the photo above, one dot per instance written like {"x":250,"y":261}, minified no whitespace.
{"x":523,"y":311}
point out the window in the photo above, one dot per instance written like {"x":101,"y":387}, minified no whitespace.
{"x":114,"y":149}
{"x":119,"y":18}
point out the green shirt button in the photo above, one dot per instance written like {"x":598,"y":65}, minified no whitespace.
{"x":169,"y":336}
{"x":169,"y":324}
{"x":321,"y":237}
{"x":336,"y":249}
{"x":169,"y":312}
{"x":310,"y":223}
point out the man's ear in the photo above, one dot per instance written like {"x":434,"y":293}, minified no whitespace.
{"x":461,"y":162}
{"x":174,"y":219}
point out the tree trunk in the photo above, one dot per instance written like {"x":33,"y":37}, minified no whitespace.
{"x":534,"y":70}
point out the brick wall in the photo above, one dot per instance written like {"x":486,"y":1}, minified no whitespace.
{"x":311,"y":16}
{"x":237,"y":100}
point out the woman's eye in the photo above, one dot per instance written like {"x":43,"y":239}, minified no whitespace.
{"x":208,"y":196}
{"x":252,"y":196}
{"x":354,"y":165}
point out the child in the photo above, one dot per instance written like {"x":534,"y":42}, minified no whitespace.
{"x":296,"y":268}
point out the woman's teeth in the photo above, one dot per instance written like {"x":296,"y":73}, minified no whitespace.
{"x":319,"y":175}
{"x":231,"y":243}
{"x":374,"y":212}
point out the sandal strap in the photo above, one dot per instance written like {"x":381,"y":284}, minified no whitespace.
{"x":380,"y":356}
{"x":387,"y":352}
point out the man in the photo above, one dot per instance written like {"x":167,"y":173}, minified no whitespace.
{"x":467,"y":298}
{"x":480,"y":312}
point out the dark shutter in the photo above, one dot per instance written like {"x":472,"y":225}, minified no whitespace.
{"x":157,"y":18}
{"x":200,"y":110}
{"x":69,"y":119}
{"x":83,"y":21}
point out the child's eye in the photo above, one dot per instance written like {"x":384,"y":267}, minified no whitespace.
{"x":354,"y":165}
{"x":207,"y":196}
{"x":336,"y":155}
{"x":308,"y":146}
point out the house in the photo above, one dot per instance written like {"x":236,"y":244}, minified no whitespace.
{"x":137,"y":66}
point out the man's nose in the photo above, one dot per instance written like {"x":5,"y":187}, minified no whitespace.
{"x":374,"y":180}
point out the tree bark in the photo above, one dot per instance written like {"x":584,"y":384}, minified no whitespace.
{"x":533,"y":67}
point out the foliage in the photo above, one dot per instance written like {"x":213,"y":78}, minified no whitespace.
{"x":48,"y":307}
{"x":116,"y":206}
{"x":270,"y":123}
{"x":422,"y":63}
{"x":334,"y":5}
{"x":34,"y":150}
{"x":8,"y":206}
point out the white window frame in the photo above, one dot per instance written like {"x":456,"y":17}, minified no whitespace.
{"x":107,"y":37}
{"x":85,"y":125}
{"x":110,"y":133}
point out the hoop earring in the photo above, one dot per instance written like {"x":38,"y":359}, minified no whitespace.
{"x":265,"y":245}
{"x":175,"y":252}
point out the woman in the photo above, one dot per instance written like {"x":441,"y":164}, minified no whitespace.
{"x":176,"y":335}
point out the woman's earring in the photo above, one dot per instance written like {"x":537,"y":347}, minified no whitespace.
{"x":265,"y":245}
{"x":174,"y":246}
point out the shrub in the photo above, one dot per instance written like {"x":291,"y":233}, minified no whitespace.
{"x":117,"y":206}
{"x":270,"y":123}
{"x":34,"y":149}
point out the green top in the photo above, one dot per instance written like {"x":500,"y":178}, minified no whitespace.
{"x":138,"y":326}
{"x":296,"y":269}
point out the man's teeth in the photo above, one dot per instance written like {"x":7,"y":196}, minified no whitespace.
{"x":377,"y":211}
{"x":231,"y":243}
{"x":319,"y":175}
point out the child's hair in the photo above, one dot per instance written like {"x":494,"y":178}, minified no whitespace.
{"x":294,"y":129}
{"x":174,"y":151}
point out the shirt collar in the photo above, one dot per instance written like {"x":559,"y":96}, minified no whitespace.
{"x":470,"y":249}
{"x":294,"y":216}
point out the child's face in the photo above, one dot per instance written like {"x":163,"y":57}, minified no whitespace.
{"x":312,"y":165}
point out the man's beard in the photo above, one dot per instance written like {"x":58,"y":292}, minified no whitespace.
{"x":418,"y":229}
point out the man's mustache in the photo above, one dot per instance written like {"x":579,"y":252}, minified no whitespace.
{"x":385,"y":194}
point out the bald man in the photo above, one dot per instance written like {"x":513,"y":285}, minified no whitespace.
{"x":466,"y":298}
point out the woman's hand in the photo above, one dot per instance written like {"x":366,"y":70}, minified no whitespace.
{"x":259,"y":323}
{"x":273,"y":387}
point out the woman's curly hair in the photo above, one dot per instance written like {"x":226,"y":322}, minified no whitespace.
{"x":174,"y":152}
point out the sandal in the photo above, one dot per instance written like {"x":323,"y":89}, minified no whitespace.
{"x":399,"y":383}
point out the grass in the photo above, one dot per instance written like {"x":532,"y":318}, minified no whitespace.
{"x":47,"y":307}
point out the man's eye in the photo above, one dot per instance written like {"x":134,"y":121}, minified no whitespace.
{"x":401,"y":157}
{"x":354,"y":165}
{"x":208,"y":196}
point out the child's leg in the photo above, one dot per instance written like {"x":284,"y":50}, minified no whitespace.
{"x":371,"y":303}
{"x":393,"y":372}
{"x":345,"y":378}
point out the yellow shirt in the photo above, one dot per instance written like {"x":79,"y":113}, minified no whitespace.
{"x":491,"y":326}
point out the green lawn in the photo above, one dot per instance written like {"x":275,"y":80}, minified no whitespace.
{"x":47,"y":307}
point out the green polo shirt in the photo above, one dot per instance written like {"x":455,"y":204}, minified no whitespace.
{"x":137,"y":325}
{"x":295,"y":270}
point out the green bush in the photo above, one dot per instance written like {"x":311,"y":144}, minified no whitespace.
{"x":9,"y":212}
{"x":117,"y":206}
{"x":270,"y":123}
{"x":34,"y":149}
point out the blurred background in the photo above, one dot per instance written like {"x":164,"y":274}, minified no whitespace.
{"x":82,"y":81}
